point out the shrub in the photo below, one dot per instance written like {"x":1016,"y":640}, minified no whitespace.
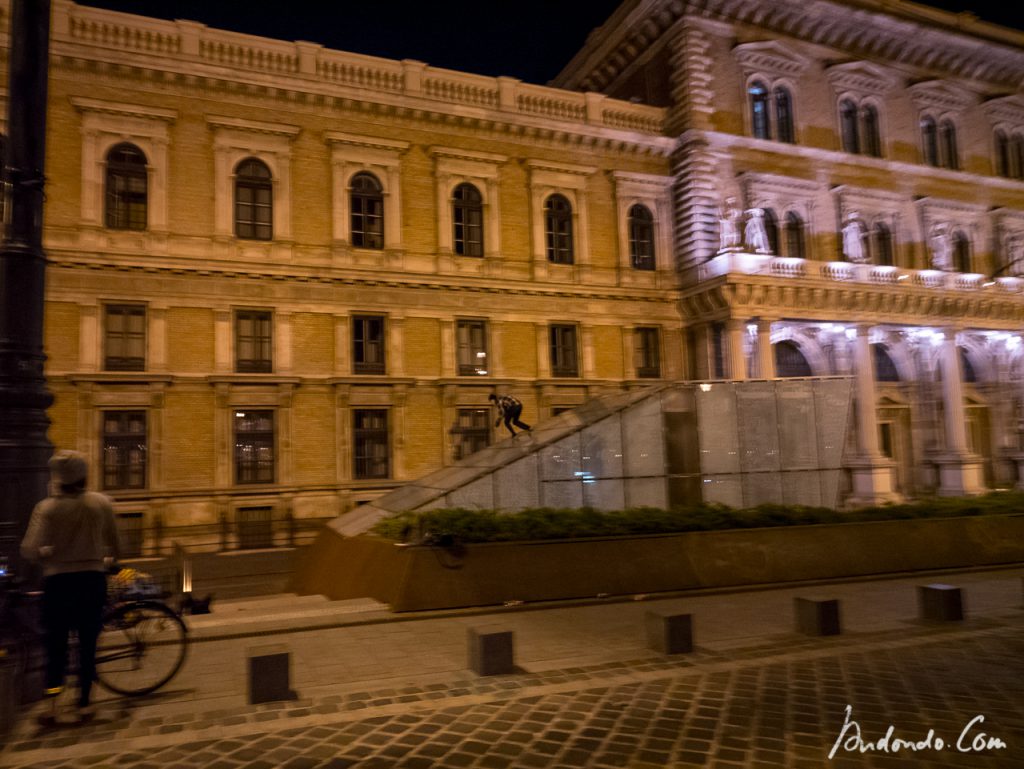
{"x":551,"y":523}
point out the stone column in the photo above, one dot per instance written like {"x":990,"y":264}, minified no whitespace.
{"x":867,"y":420}
{"x":960,"y":473}
{"x":735,"y":329}
{"x":873,"y":474}
{"x":953,"y":395}
{"x":765,"y":354}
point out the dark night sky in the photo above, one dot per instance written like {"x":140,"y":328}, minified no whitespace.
{"x":528,"y":39}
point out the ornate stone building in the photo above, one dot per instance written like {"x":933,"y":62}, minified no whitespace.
{"x":878,"y":148}
{"x":284,"y":279}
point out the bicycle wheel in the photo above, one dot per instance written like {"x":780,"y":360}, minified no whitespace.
{"x":141,"y":647}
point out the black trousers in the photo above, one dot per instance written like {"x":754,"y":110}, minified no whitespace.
{"x":512,"y":416}
{"x":73,"y":601}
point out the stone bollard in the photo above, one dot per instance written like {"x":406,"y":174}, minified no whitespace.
{"x":942,"y":603}
{"x":817,"y":616}
{"x":669,"y":633}
{"x":270,"y":674}
{"x":491,"y":651}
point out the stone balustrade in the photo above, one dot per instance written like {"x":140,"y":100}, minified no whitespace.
{"x":198,"y":45}
{"x":849,"y":272}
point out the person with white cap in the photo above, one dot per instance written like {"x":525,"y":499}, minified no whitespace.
{"x":73,"y":536}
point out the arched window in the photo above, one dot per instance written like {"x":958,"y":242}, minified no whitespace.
{"x":882,"y":244}
{"x":872,"y":143}
{"x":468,"y":220}
{"x":929,"y":141}
{"x":254,"y":196}
{"x":558,"y":229}
{"x":760,"y":119}
{"x":848,"y":126}
{"x":784,"y":115}
{"x":885,"y":368}
{"x":961,"y":252}
{"x":641,"y":238}
{"x":771,"y":226}
{"x":795,"y":242}
{"x":947,"y":137}
{"x":1002,"y":147}
{"x":126,"y":188}
{"x":367,"y":211}
{"x":789,"y":361}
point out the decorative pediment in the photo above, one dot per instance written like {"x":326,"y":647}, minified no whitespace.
{"x":941,"y":95}
{"x":1005,"y":109}
{"x":123,"y":110}
{"x":862,"y":77}
{"x":770,"y":57}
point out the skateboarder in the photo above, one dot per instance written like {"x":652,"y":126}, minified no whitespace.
{"x":509,"y":410}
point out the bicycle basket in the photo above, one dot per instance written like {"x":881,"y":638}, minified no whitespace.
{"x":131,"y":585}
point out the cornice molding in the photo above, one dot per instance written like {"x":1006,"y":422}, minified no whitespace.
{"x":941,"y":95}
{"x":771,"y":57}
{"x":552,"y":129}
{"x":899,"y":33}
{"x":252,"y":126}
{"x":777,"y":183}
{"x":863,"y":77}
{"x":123,"y":109}
{"x":372,"y":142}
{"x":633,"y":177}
{"x":755,"y":295}
{"x":1008,"y":109}
{"x":562,"y":168}
{"x":463,"y":154}
{"x":446,"y":283}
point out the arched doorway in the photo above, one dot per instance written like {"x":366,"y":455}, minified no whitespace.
{"x":790,"y":360}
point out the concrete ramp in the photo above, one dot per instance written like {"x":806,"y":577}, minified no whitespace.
{"x":736,"y":443}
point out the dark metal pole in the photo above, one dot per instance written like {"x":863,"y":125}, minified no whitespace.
{"x":24,"y":399}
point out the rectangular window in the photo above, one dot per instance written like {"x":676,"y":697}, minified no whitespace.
{"x":254,"y":527}
{"x":472,"y":431}
{"x":124,"y":337}
{"x":368,"y":344}
{"x":370,"y":441}
{"x":254,"y":212}
{"x":253,"y":342}
{"x":647,"y":353}
{"x":471,"y":347}
{"x":124,"y":450}
{"x":564,"y":358}
{"x":254,"y":446}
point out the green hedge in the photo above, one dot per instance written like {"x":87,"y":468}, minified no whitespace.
{"x":549,"y":523}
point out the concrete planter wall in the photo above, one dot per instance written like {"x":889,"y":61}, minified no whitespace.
{"x":411,"y":578}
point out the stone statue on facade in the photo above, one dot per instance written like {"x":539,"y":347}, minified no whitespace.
{"x":941,"y":243}
{"x":729,"y":227}
{"x":853,"y":239}
{"x":756,"y":233}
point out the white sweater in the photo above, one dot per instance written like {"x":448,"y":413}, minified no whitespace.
{"x":71,"y":532}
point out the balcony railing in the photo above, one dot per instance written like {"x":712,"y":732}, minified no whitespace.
{"x":849,"y":272}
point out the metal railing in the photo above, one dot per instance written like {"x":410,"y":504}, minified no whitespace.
{"x":255,"y":528}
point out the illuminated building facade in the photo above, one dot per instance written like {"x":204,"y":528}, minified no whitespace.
{"x":284,"y":279}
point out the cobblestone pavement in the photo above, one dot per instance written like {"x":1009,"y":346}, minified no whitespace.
{"x":763,"y":706}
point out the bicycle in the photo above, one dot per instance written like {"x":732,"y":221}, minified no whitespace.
{"x":142,"y":644}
